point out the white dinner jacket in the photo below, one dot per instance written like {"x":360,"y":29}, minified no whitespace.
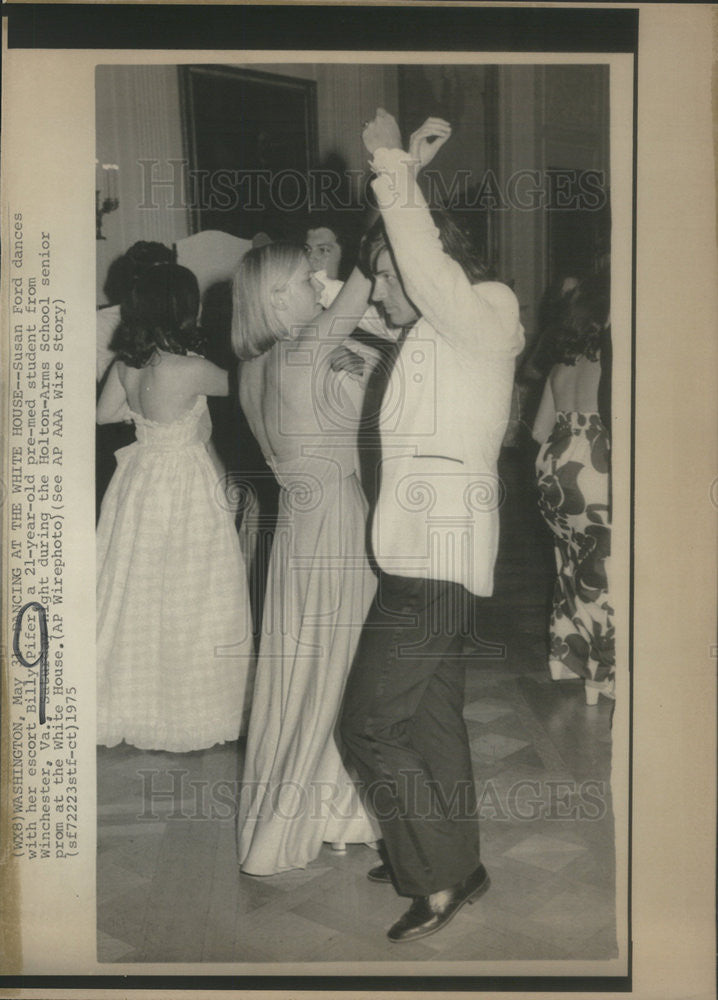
{"x":445,"y":410}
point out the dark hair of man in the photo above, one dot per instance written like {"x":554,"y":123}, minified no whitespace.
{"x":454,"y":241}
{"x":328,"y":220}
{"x":346,"y":227}
{"x":160,"y":313}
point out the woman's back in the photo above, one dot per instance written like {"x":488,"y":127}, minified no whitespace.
{"x":292,"y":398}
{"x":171,"y":585}
{"x":165,"y":388}
{"x":575,"y":387}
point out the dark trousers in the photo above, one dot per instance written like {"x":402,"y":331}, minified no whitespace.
{"x":403,"y":726}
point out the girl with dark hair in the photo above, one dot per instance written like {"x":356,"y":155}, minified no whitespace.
{"x":159,"y":313}
{"x":174,"y":635}
{"x":573,"y":467}
{"x":121,"y":276}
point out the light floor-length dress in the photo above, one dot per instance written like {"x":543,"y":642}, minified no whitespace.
{"x":174,"y":633}
{"x":296,"y":792}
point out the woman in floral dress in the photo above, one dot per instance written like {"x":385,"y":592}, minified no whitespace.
{"x":574,"y":468}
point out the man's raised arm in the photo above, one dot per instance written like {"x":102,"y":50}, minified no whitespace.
{"x":484,"y":315}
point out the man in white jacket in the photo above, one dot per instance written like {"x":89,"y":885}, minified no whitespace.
{"x":434,"y":536}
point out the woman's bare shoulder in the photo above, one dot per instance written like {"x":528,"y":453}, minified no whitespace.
{"x":126,"y":373}
{"x":187,"y":366}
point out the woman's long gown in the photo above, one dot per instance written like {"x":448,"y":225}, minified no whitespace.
{"x":174,"y":633}
{"x":296,"y":792}
{"x":573,"y":469}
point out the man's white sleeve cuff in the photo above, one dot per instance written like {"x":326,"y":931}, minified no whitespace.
{"x":387,"y":160}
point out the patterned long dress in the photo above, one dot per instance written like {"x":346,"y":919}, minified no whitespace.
{"x":573,"y":469}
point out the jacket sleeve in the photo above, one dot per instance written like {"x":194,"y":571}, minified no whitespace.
{"x":483,"y":316}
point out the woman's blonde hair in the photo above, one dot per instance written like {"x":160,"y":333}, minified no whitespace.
{"x":263,"y":270}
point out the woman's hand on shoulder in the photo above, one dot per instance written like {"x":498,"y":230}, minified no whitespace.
{"x":343,"y":359}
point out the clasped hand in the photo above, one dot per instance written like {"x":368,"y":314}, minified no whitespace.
{"x":343,"y":359}
{"x":383,"y":132}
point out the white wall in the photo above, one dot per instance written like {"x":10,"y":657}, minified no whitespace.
{"x":137,"y":117}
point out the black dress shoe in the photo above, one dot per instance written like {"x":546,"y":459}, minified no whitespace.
{"x":381,"y":873}
{"x":428,"y":914}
